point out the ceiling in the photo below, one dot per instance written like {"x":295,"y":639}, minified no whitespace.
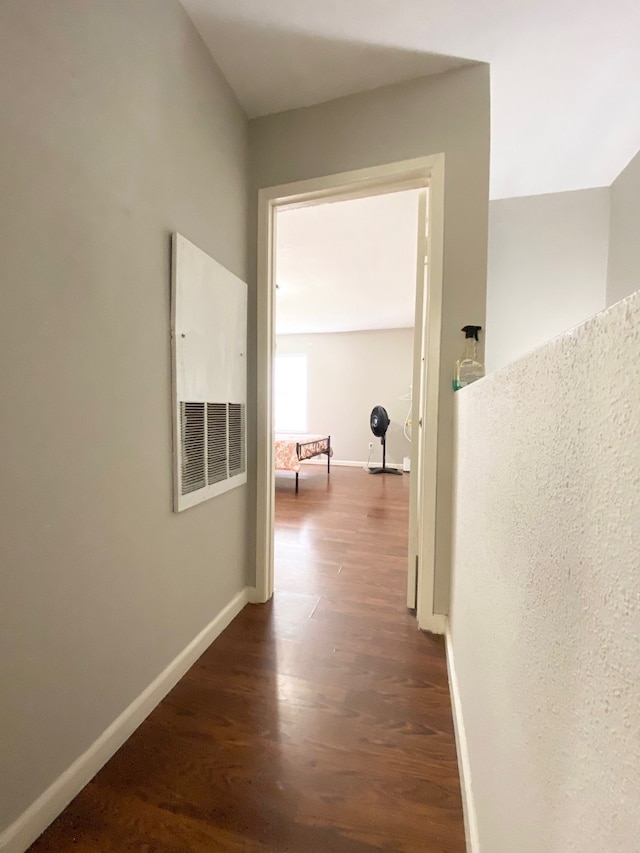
{"x":347,"y":266}
{"x":565,"y":112}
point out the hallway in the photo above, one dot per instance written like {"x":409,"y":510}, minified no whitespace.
{"x":319,"y":722}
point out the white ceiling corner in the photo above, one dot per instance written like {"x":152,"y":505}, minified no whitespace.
{"x":564,"y":107}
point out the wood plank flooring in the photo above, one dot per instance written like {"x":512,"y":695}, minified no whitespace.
{"x":318,"y":722}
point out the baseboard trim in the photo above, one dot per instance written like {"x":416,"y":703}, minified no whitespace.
{"x":432,"y":623}
{"x":462,"y":750}
{"x":37,"y":817}
{"x":252,"y":596}
{"x":321,"y":461}
{"x":347,"y":463}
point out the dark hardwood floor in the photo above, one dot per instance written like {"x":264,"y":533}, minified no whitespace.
{"x":318,"y":722}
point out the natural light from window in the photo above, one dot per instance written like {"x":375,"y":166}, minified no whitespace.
{"x":290,"y":393}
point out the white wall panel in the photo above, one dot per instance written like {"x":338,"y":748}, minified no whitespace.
{"x":209,"y":344}
{"x":547,"y":269}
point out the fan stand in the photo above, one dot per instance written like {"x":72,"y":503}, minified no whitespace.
{"x":384,"y":469}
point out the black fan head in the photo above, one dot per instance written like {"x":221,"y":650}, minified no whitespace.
{"x":379,"y":421}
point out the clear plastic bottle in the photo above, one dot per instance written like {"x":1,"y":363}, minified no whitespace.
{"x":468,"y":368}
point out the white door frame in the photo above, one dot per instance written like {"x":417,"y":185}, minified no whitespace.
{"x":408,"y":174}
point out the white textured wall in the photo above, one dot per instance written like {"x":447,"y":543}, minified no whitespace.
{"x":624,"y":236}
{"x":547,"y":269}
{"x":350,"y":373}
{"x":545,"y":616}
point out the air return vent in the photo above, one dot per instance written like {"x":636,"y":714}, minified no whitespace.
{"x":236,"y":439}
{"x":217,"y":451}
{"x":211,"y":444}
{"x":208,"y":334}
{"x":192,"y":440}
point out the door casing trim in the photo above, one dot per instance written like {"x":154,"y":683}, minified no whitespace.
{"x":418,"y":173}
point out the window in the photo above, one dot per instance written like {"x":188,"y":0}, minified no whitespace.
{"x":290,"y":393}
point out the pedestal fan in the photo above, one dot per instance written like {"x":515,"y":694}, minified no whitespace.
{"x":379,"y":422}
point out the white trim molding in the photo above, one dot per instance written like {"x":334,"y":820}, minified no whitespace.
{"x":37,"y":817}
{"x":462,"y":750}
{"x":346,"y":463}
{"x":418,"y":173}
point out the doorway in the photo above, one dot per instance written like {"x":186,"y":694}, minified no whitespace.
{"x":345,"y":316}
{"x":427,"y":175}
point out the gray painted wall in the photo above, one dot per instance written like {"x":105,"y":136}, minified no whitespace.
{"x":547,"y":269}
{"x":348,"y":374}
{"x":447,"y":113}
{"x":117,"y":128}
{"x":624,"y":237}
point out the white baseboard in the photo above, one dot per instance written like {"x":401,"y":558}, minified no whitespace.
{"x":339,"y":463}
{"x":462,"y":749}
{"x":252,"y":595}
{"x":432,"y":623}
{"x":346,"y":463}
{"x":32,"y":822}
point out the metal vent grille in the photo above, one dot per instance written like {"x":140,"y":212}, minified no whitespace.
{"x":216,"y":442}
{"x":192,"y":435}
{"x":212,"y":444}
{"x":236,"y":439}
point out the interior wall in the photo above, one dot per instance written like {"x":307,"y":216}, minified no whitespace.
{"x":447,"y":113}
{"x":547,"y":269}
{"x":117,"y":128}
{"x":348,"y":374}
{"x":546,"y":592}
{"x":624,"y":236}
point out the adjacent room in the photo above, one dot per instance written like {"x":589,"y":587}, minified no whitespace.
{"x":345,"y":309}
